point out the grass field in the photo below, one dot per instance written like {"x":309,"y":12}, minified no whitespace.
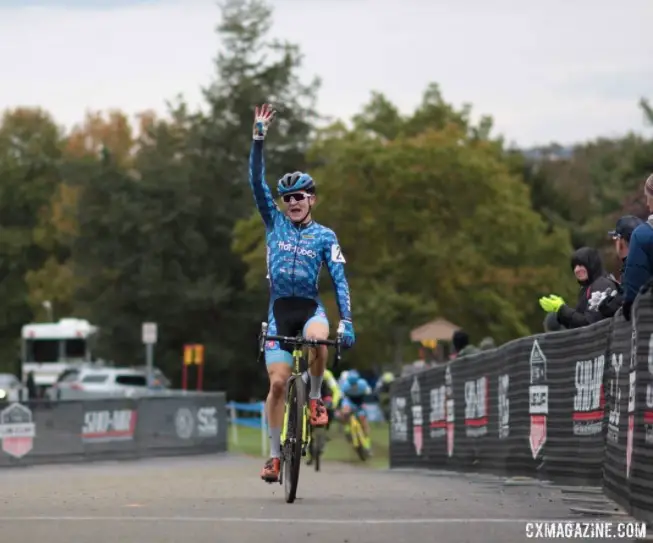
{"x":337,"y":450}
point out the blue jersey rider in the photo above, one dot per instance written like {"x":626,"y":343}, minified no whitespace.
{"x":354,"y":390}
{"x":297,"y":248}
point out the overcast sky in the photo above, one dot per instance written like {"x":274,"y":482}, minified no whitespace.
{"x":546,"y":70}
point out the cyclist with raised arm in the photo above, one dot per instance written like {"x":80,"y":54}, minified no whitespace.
{"x":297,"y":247}
{"x":354,"y":391}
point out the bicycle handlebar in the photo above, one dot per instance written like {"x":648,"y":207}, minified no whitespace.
{"x":302,"y":341}
{"x":299,"y":340}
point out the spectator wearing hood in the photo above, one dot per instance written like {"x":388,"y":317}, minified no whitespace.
{"x":595,"y":284}
{"x":621,"y":235}
{"x":639,"y":263}
{"x":461,"y":344}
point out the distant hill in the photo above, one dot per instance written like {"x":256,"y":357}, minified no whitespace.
{"x":553,"y":152}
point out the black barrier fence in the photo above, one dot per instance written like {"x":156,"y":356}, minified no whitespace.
{"x":65,"y":431}
{"x":575,"y":405}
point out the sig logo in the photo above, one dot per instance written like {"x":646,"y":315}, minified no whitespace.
{"x":207,"y":422}
{"x":202,"y":422}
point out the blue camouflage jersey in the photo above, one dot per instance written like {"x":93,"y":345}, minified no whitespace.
{"x":358,"y":391}
{"x":296,"y":253}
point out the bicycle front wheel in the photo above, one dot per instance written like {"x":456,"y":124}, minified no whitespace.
{"x":294,"y":436}
{"x":359,"y":440}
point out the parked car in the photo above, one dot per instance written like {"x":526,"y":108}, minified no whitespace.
{"x":84,"y":383}
{"x":11,"y":389}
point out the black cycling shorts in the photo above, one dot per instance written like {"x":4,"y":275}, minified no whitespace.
{"x":288,"y":317}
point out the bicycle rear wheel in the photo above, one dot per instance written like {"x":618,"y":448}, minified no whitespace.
{"x":318,"y":446}
{"x":292,"y":456}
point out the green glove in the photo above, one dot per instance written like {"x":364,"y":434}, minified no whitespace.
{"x":551,"y":303}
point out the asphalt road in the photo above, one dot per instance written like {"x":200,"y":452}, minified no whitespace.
{"x":220,"y":499}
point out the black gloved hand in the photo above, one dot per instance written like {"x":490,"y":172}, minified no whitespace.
{"x":626,"y":309}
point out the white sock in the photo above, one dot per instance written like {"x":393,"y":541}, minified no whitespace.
{"x":275,"y":442}
{"x":316,"y":387}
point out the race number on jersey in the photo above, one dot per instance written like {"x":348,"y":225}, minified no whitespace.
{"x":336,"y":254}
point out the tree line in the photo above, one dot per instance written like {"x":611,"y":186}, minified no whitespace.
{"x":437,"y":216}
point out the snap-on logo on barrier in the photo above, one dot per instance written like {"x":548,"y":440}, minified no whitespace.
{"x":398,"y":420}
{"x":476,"y":398}
{"x":418,"y":421}
{"x":301,"y":251}
{"x":17,"y":430}
{"x":614,"y":409}
{"x":538,"y":405}
{"x":451,"y":414}
{"x":109,"y":425}
{"x":504,"y":406}
{"x":438,"y":412}
{"x":588,"y":400}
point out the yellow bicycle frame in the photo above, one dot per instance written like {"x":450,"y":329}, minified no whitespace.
{"x":356,"y":430}
{"x":296,"y":356}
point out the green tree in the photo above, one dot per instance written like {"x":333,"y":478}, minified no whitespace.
{"x":155,"y":234}
{"x":588,"y":190}
{"x":30,"y":150}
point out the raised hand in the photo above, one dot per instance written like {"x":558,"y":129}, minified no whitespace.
{"x":263,"y":117}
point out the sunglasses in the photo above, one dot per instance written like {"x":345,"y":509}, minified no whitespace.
{"x":297,"y":196}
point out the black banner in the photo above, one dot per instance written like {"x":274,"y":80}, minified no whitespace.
{"x":574,"y":406}
{"x":46,"y":432}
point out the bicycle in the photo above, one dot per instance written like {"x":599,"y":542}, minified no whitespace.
{"x":357,"y":436}
{"x":296,"y":431}
{"x":318,"y":442}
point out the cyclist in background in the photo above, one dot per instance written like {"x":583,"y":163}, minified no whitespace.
{"x":354,"y":391}
{"x":382,"y":390}
{"x":343,"y":378}
{"x":297,"y":249}
{"x":331,"y":394}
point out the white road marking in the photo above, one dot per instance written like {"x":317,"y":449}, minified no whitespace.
{"x":277,"y":520}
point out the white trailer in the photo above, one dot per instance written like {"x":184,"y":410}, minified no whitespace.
{"x":47,"y":349}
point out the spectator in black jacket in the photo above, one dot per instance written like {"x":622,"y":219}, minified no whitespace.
{"x":621,"y":236}
{"x":595,"y":284}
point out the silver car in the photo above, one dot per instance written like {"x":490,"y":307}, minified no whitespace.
{"x":99,"y":383}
